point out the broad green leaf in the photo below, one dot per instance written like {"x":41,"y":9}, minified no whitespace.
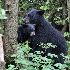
{"x":2,"y":14}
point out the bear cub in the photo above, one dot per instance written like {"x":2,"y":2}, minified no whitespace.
{"x":25,"y":31}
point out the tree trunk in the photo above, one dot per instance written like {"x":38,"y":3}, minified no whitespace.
{"x":2,"y":62}
{"x":64,"y":16}
{"x":68,"y":5}
{"x":10,"y":33}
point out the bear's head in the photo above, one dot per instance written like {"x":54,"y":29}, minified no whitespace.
{"x":25,"y":31}
{"x":34,"y":16}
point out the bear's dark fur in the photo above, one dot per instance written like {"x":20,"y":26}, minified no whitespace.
{"x":25,"y":31}
{"x":46,"y":33}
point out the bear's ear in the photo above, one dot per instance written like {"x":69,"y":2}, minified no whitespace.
{"x":40,"y":12}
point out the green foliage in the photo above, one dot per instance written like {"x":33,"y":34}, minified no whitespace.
{"x":22,"y":61}
{"x":52,"y":7}
{"x":2,"y":17}
{"x":67,"y":61}
{"x":2,"y":14}
{"x":60,"y":66}
{"x":52,"y":55}
{"x":11,"y":67}
{"x":2,"y":11}
{"x":66,"y":34}
{"x":59,"y":8}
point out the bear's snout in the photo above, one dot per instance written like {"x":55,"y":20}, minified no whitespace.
{"x":25,"y":20}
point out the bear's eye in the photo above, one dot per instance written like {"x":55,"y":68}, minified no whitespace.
{"x":29,"y":15}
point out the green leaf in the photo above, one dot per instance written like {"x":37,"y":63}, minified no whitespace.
{"x":14,"y":55}
{"x":3,"y":17}
{"x":3,"y":12}
{"x":47,"y":2}
{"x":59,"y":8}
{"x":66,"y":34}
{"x":52,"y":55}
{"x":42,"y":7}
{"x":31,"y":68}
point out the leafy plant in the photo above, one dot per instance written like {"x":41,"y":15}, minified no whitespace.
{"x":33,"y":61}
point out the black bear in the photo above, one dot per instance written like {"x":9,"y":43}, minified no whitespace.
{"x":25,"y":31}
{"x":46,"y":33}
